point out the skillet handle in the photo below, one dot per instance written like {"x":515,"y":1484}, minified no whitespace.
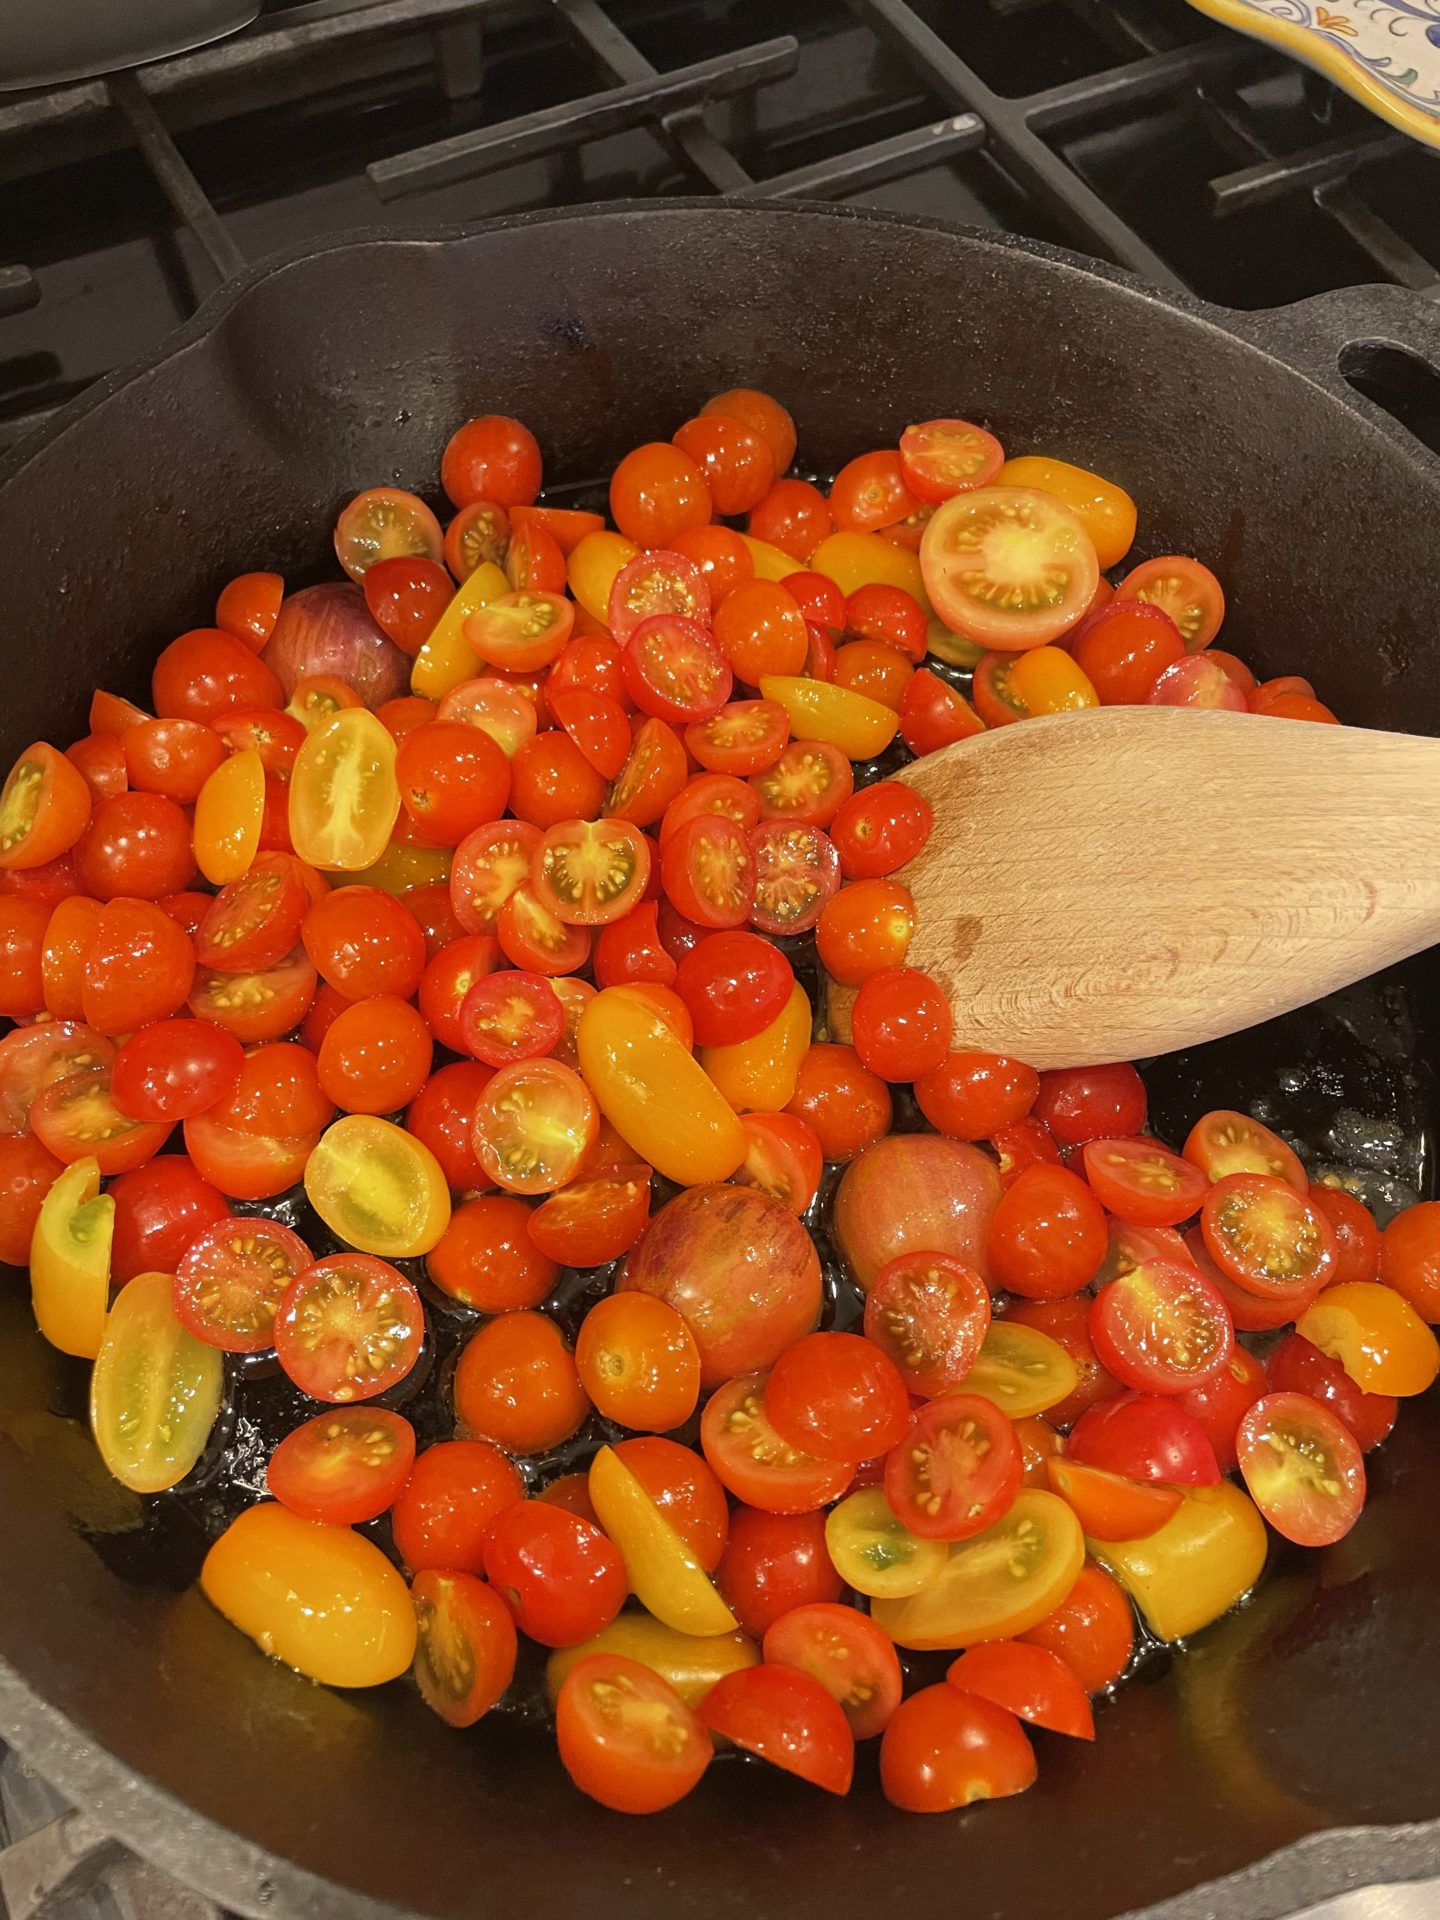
{"x":1375,"y":347}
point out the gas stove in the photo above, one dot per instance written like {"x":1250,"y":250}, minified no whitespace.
{"x":1133,"y":130}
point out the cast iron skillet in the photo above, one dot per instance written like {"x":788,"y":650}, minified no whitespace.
{"x":1309,"y":1722}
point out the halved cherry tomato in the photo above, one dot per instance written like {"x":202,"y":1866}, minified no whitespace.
{"x":1029,"y":1681}
{"x":847,"y":1653}
{"x":175,"y":1069}
{"x":1161,"y":1328}
{"x":657,"y":492}
{"x":532,"y":937}
{"x":343,"y":1467}
{"x":76,"y":1118}
{"x":344,"y":797}
{"x":874,"y":1551}
{"x":495,"y":706}
{"x":348,"y":1327}
{"x":744,"y":737}
{"x":229,"y":1283}
{"x":511,"y":1016}
{"x":534,"y":1124}
{"x":1023,"y":1370}
{"x":929,"y":1312}
{"x":861,"y":727}
{"x":996,"y":1583}
{"x":1303,"y":1468}
{"x":1009,"y":567}
{"x":944,"y":1749}
{"x":626,"y":1738}
{"x":256,"y":1006}
{"x":1195,"y":681}
{"x":533,"y":560}
{"x":808,"y":783}
{"x":589,"y":873}
{"x":385,"y":523}
{"x":44,"y":808}
{"x":797,"y":873}
{"x":1373,"y":1332}
{"x":1223,"y":1143}
{"x":377,"y":1187}
{"x":1091,"y":1103}
{"x":248,"y":606}
{"x":787,"y":1717}
{"x":708,"y":871}
{"x":1142,"y":1182}
{"x":489,"y":865}
{"x":754,"y":1463}
{"x":561,"y":1576}
{"x":155,"y":1389}
{"x":941,"y":458}
{"x":782,"y":1158}
{"x":1184,"y":589}
{"x":1267,"y":1238}
{"x":595,"y":1218}
{"x":957,"y":1469}
{"x":870,"y":492}
{"x":69,"y":1256}
{"x":1107,"y":1505}
{"x":933,"y":714}
{"x":522,"y":630}
{"x":465,"y":1645}
{"x":657,"y":583}
{"x":254,"y":921}
{"x":595,"y":722}
{"x":200,"y":675}
{"x":654,"y":773}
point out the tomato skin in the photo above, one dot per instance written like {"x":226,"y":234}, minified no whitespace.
{"x":1091,"y":1103}
{"x":44,"y":807}
{"x":950,"y":1191}
{"x":630,"y":1769}
{"x":1026,"y":1680}
{"x":944,"y":1749}
{"x":734,"y":985}
{"x":100,"y":758}
{"x":656,"y":493}
{"x":773,"y":1563}
{"x":363,"y":942}
{"x":23,"y":921}
{"x":344,"y":1467}
{"x":1293,"y":1365}
{"x":832,"y":1394}
{"x":69,"y":933}
{"x":738,"y":1268}
{"x":516,"y":1384}
{"x":207,"y":672}
{"x":1220,"y":1402}
{"x":27,"y":1172}
{"x":136,"y":844}
{"x":1092,"y":1630}
{"x":1407,"y":1256}
{"x":442,"y":1117}
{"x":1145,"y":1437}
{"x":161,"y":1208}
{"x":139,"y":967}
{"x":786,"y":1717}
{"x":1047,"y":1237}
{"x":444,"y":1512}
{"x":933,"y":714}
{"x":638,"y":1362}
{"x":560,"y":1575}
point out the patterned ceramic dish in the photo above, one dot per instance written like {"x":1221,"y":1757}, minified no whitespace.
{"x":1385,"y":52}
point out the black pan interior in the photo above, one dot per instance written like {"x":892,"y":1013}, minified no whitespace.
{"x":1317,"y":1706}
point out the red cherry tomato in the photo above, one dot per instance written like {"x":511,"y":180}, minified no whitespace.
{"x":880,"y":828}
{"x":754,"y":1463}
{"x":348,"y":1328}
{"x":1293,"y":1365}
{"x":1027,"y":1680}
{"x":231,"y":1280}
{"x":1142,"y":1182}
{"x":944,"y":1749}
{"x":446,"y":1508}
{"x":929,"y":1312}
{"x":491,"y":458}
{"x":1220,"y":1401}
{"x":626,"y":1737}
{"x":773,"y":1562}
{"x":852,"y":1658}
{"x":797,"y":872}
{"x":161,"y":1210}
{"x":786,"y":1717}
{"x":1047,"y":1235}
{"x":956,"y":1470}
{"x":1145,"y":1437}
{"x":175,"y":1069}
{"x":1161,"y":1328}
{"x":1303,"y":1468}
{"x":833,"y":1394}
{"x":1091,"y":1103}
{"x":900,"y":1023}
{"x":560,"y":1575}
{"x":1267,"y":1239}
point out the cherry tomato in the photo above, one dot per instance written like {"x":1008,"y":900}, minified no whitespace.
{"x":1161,"y":1328}
{"x":957,"y":1469}
{"x":626,"y":1738}
{"x":943,"y":1749}
{"x":971,"y":1095}
{"x":735,"y":459}
{"x":734,"y":985}
{"x":831,"y":1394}
{"x":248,"y":606}
{"x":590,"y":873}
{"x":929,"y":1314}
{"x":76,"y":1118}
{"x":375,"y":1056}
{"x":139,"y":967}
{"x":495,"y":705}
{"x":656,"y":493}
{"x":657,"y":583}
{"x":1066,"y":1321}
{"x":1196,"y":681}
{"x":782,"y":1158}
{"x":161,"y":1210}
{"x":453,"y":778}
{"x":1219,"y":1402}
{"x":760,"y":630}
{"x":797,"y":872}
{"x":808,"y":783}
{"x":1108,"y":1506}
{"x":848,"y":1107}
{"x":489,"y":865}
{"x":1008,"y":567}
{"x":363,"y":942}
{"x":344,"y":796}
{"x":754,"y":1463}
{"x":940,"y":458}
{"x":787,"y":1717}
{"x":24,"y":920}
{"x":1357,"y":1238}
{"x":254,"y":921}
{"x":773,"y":1563}
{"x":256,"y":1006}
{"x":858,"y":725}
{"x":1091,"y":1103}
{"x":511,"y":1016}
{"x":136,"y":844}
{"x":1293,"y":1365}
{"x":231,"y":1279}
{"x":1026,"y":1680}
{"x":534,"y":1123}
{"x":151,"y":1438}
{"x":446,"y":1508}
{"x":207,"y":672}
{"x":865,"y":930}
{"x":343,"y":1467}
{"x":1092,"y":1630}
{"x":44,"y":808}
{"x":1408,"y":1251}
{"x":175,"y":1069}
{"x":465,"y":1645}
{"x":1123,"y":648}
{"x":1184,"y":589}
{"x":275,"y":735}
{"x":1142,"y":1182}
{"x":880,"y":828}
{"x":1303,"y":1468}
{"x":491,"y":457}
{"x":560,"y":1576}
{"x":384,"y":523}
{"x":1266,"y":1238}
{"x":595,"y":1218}
{"x":638,"y":1362}
{"x":100,"y":758}
{"x":933,"y":714}
{"x":521,"y":630}
{"x":793,"y":516}
{"x":1145,"y":1437}
{"x":721,"y":556}
{"x":534,"y":561}
{"x":744,"y":737}
{"x":407,"y":594}
{"x":1374,"y":1332}
{"x":516,"y":1384}
{"x":1047,"y":1237}
{"x":849,"y":1656}
{"x":595,"y":722}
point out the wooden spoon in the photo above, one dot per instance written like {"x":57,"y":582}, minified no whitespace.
{"x":1120,"y":882}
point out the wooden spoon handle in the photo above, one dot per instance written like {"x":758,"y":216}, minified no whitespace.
{"x":1214,"y":870}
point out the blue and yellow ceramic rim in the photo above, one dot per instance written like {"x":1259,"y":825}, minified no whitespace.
{"x":1306,"y":44}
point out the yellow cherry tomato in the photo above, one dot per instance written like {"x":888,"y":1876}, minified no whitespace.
{"x":228,"y":816}
{"x":1106,"y":511}
{"x":378,"y":1187}
{"x":664,"y":1574}
{"x":771,"y":563}
{"x":1375,"y":1334}
{"x":875,"y":1552}
{"x":1021,"y":1370}
{"x":592,"y":568}
{"x":859,"y":726}
{"x":854,"y":560}
{"x":155,"y":1389}
{"x":954,"y":647}
{"x":402,"y":866}
{"x":322,"y":1599}
{"x":1196,"y":1566}
{"x":1047,"y":680}
{"x":447,"y":657}
{"x":690,"y":1662}
{"x":759,"y":1075}
{"x":344,"y":797}
{"x":997,"y":1583}
{"x":70,"y":1260}
{"x":654,"y":1092}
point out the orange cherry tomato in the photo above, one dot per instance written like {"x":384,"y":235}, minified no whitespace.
{"x":657,"y":492}
{"x":871,"y":492}
{"x":638,"y":1361}
{"x":516,"y":1384}
{"x":763,"y":415}
{"x":735,"y":459}
{"x":44,"y":808}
